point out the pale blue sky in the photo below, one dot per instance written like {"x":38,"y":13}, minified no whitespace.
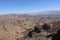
{"x":27,"y":6}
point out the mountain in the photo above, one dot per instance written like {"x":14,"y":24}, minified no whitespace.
{"x":56,"y":12}
{"x":30,"y":27}
{"x":53,"y":14}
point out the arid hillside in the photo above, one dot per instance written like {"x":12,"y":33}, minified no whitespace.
{"x":26,"y":27}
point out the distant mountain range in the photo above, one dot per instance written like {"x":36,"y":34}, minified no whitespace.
{"x":49,"y":13}
{"x":39,"y":14}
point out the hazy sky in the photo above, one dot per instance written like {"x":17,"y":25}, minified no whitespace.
{"x":23,"y":6}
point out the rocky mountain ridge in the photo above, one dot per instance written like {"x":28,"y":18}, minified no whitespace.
{"x":17,"y":27}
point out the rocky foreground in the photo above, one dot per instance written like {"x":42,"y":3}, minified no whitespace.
{"x":18,"y":27}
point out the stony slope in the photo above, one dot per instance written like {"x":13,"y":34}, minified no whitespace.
{"x":18,"y":27}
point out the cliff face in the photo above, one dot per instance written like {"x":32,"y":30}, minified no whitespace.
{"x":17,"y":27}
